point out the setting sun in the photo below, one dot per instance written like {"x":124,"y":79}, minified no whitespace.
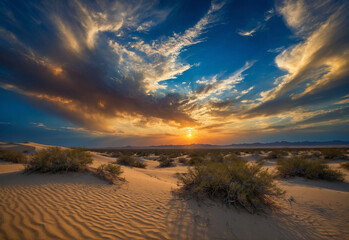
{"x":189,"y":135}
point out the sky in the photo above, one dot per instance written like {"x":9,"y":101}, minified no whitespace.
{"x":116,"y":73}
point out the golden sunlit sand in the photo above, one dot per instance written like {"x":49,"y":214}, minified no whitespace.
{"x":81,"y":206}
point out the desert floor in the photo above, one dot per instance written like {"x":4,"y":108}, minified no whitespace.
{"x":82,"y":206}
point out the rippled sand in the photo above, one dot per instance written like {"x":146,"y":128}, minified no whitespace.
{"x":81,"y":206}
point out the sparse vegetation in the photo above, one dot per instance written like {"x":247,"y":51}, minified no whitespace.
{"x":261,"y":160}
{"x":194,"y":160}
{"x":277,"y":154}
{"x":166,"y":162}
{"x":12,"y":156}
{"x":183,"y":161}
{"x":345,"y":165}
{"x":56,"y":159}
{"x":311,"y":169}
{"x":333,"y":153}
{"x":130,"y":161}
{"x":234,"y":182}
{"x":109,"y":172}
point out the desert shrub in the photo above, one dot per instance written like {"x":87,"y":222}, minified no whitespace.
{"x":109,"y":172}
{"x":261,"y":160}
{"x":234,"y":182}
{"x":333,"y":153}
{"x":194,"y":160}
{"x":130,"y":161}
{"x":55,"y":159}
{"x":12,"y":156}
{"x":166,"y":162}
{"x":183,"y":161}
{"x":216,"y":156}
{"x":276,"y":154}
{"x":345,"y":165}
{"x":311,"y":169}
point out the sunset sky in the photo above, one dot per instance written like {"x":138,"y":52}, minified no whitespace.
{"x":114,"y":73}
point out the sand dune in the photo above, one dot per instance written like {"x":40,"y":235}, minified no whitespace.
{"x":81,"y":206}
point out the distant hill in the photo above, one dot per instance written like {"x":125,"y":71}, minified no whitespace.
{"x":335,"y":143}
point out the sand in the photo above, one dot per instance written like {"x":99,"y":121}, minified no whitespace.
{"x":81,"y":206}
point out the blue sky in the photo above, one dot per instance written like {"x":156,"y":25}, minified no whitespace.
{"x":113,"y":73}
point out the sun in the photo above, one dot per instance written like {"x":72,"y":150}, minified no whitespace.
{"x":189,"y":135}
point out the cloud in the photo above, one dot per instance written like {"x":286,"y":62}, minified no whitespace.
{"x":215,"y":87}
{"x":260,"y":25}
{"x":83,"y":62}
{"x":269,"y":14}
{"x":276,"y":50}
{"x":317,"y":68}
{"x":249,"y":33}
{"x":41,"y":125}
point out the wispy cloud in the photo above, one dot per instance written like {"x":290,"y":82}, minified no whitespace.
{"x":276,"y":50}
{"x":214,"y":87}
{"x":249,"y":33}
{"x":260,"y":25}
{"x":317,"y":67}
{"x":41,"y":125}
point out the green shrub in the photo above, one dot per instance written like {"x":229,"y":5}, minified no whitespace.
{"x":109,"y":172}
{"x":130,"y":161}
{"x":311,"y":169}
{"x":345,"y":165}
{"x":234,"y":182}
{"x":12,"y":156}
{"x":56,"y":159}
{"x":166,"y":162}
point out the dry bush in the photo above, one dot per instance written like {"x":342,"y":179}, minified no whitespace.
{"x":109,"y":172}
{"x":183,"y":161}
{"x":194,"y":160}
{"x":233,"y":182}
{"x":333,"y":153}
{"x":12,"y":156}
{"x":130,"y":161}
{"x":277,"y":154}
{"x":55,"y":159}
{"x":311,"y":169}
{"x":345,"y":165}
{"x":166,"y":162}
